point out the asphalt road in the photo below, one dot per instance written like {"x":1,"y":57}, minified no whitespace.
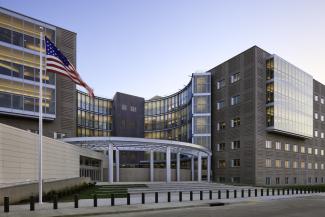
{"x":298,"y":207}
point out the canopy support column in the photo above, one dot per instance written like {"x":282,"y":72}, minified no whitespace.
{"x":168,"y":171}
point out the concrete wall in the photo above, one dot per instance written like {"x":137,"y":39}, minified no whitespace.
{"x":19,"y":158}
{"x":24,"y":191}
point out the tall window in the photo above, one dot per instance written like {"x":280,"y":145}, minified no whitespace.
{"x":235,"y":77}
{"x":287,"y":147}
{"x":268,"y":144}
{"x":278,"y":145}
{"x":221,"y":125}
{"x":221,"y":147}
{"x":235,"y":122}
{"x":220,"y":104}
{"x":278,"y":163}
{"x":235,"y":163}
{"x":235,"y":100}
{"x":221,"y":84}
{"x":235,"y":145}
{"x":268,"y":163}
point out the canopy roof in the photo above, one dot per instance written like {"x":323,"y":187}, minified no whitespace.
{"x":138,"y":144}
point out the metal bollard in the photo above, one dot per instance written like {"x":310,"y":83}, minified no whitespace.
{"x":219,"y":194}
{"x":128,"y":199}
{"x":201,"y":195}
{"x":227,"y":194}
{"x":300,"y":190}
{"x":308,"y":190}
{"x":283,"y":191}
{"x":143,"y":198}
{"x":267,"y":192}
{"x":191,"y":195}
{"x":32,"y":203}
{"x":6,"y":204}
{"x":235,"y":193}
{"x":242,"y":193}
{"x":156,"y":197}
{"x":55,"y":202}
{"x":180,"y":196}
{"x":292,"y":191}
{"x":305,"y":191}
{"x":288,"y":191}
{"x":112,"y":200}
{"x":95,"y":200}
{"x":278,"y":191}
{"x":312,"y":190}
{"x":262,"y":192}
{"x":297,"y":192}
{"x":168,"y":197}
{"x":255,"y":192}
{"x":210,"y":195}
{"x":76,"y":201}
{"x":273,"y":191}
{"x":249,"y":192}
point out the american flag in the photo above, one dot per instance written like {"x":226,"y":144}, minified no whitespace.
{"x":56,"y":62}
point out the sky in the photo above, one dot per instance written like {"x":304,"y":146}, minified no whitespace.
{"x":151,"y":47}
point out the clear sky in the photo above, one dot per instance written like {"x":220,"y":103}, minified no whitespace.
{"x":151,"y":47}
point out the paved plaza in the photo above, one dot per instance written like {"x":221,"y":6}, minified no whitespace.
{"x":174,"y":208}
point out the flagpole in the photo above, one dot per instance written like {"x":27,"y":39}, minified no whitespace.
{"x":40,"y":130}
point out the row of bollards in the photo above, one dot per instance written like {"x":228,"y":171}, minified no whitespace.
{"x":180,"y":196}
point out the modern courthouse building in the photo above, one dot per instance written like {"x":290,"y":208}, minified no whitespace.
{"x":255,"y":119}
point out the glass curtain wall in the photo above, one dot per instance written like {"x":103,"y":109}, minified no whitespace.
{"x":169,"y":117}
{"x":289,"y":98}
{"x":19,"y":68}
{"x":94,"y":116}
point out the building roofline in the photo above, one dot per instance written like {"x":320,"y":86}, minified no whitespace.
{"x":32,"y":18}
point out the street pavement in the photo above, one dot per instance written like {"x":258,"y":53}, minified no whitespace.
{"x":191,"y":208}
{"x":286,"y":207}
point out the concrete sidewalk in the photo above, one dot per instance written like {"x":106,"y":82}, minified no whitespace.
{"x":66,"y":209}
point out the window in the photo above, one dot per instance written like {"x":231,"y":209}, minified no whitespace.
{"x":286,"y":180}
{"x":287,"y":147}
{"x":302,"y":165}
{"x":316,"y":179}
{"x":310,"y":151}
{"x":322,"y":117}
{"x":235,"y":77}
{"x":277,"y":180}
{"x":295,"y":148}
{"x":221,"y":125}
{"x":302,"y":149}
{"x":133,"y":109}
{"x":278,"y":163}
{"x":309,"y":179}
{"x":322,"y":152}
{"x":295,"y":164}
{"x":316,"y":151}
{"x":287,"y":164}
{"x":316,"y":166}
{"x":322,"y":100}
{"x":235,"y":179}
{"x":322,"y":135}
{"x":222,"y":179}
{"x":235,"y":163}
{"x":268,"y":181}
{"x":316,"y":115}
{"x":278,"y":145}
{"x":221,"y":84}
{"x":316,"y":98}
{"x":220,"y":104}
{"x":235,"y":122}
{"x":221,"y":164}
{"x":235,"y":145}
{"x":294,"y":180}
{"x":310,"y":166}
{"x":322,"y":166}
{"x":124,"y":107}
{"x":316,"y":133}
{"x":268,"y":144}
{"x":221,"y":147}
{"x":268,"y":163}
{"x":234,"y":100}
